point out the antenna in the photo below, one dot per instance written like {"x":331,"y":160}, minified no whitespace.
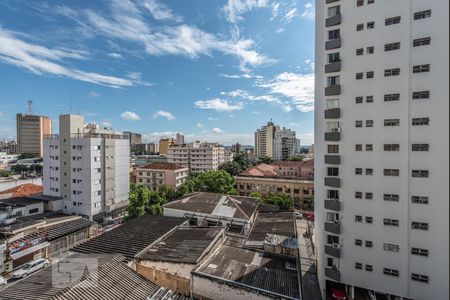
{"x":30,"y":106}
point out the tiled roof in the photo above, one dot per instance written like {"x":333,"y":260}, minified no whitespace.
{"x":131,"y":237}
{"x":261,"y":170}
{"x":26,"y":189}
{"x":162,"y":166}
{"x":288,"y":163}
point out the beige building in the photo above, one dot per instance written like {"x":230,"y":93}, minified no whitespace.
{"x":159,"y":174}
{"x":278,"y":143}
{"x":30,"y":133}
{"x":198,"y":157}
{"x":164,"y":145}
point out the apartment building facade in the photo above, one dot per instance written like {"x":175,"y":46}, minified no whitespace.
{"x":197,"y":156}
{"x":381,"y":136}
{"x":275,"y":142}
{"x":30,"y":133}
{"x":88,"y":168}
{"x":164,"y":145}
{"x":158,"y":174}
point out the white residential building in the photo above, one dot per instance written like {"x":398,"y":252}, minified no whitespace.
{"x":275,"y":142}
{"x":197,"y":156}
{"x":87,"y":167}
{"x":382,"y":147}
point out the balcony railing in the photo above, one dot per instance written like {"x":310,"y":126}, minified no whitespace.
{"x":330,"y":1}
{"x":333,"y":67}
{"x":333,"y":90}
{"x":334,"y":250}
{"x":333,"y":44}
{"x":333,"y":182}
{"x":333,"y":113}
{"x":333,"y":205}
{"x":332,"y":21}
{"x":333,"y":274}
{"x":333,"y":227}
{"x":332,"y":136}
{"x":333,"y":159}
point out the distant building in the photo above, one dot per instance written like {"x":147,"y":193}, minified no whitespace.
{"x":155,"y":175}
{"x":8,"y":158}
{"x":89,"y":168}
{"x":30,"y":133}
{"x":236,"y":147}
{"x":151,"y":148}
{"x":197,"y":156}
{"x":311,"y":149}
{"x":164,"y":145}
{"x":275,"y":142}
{"x":298,"y":147}
{"x":134,"y":138}
{"x":179,"y":138}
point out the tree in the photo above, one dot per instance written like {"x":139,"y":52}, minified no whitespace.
{"x":167,"y":192}
{"x":241,"y":158}
{"x":155,"y":201}
{"x":17,"y":169}
{"x":232,"y":168}
{"x":255,"y":195}
{"x":233,"y":192}
{"x":283,"y":201}
{"x":143,"y":201}
{"x":28,"y":155}
{"x":214,"y":182}
{"x":296,"y":158}
{"x":265,"y":160}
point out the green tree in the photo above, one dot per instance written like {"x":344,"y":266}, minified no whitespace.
{"x":283,"y":201}
{"x":232,"y":168}
{"x":17,"y":169}
{"x":241,"y":158}
{"x":233,"y":192}
{"x":155,"y":201}
{"x":167,"y":192}
{"x":265,"y":160}
{"x":255,"y":195}
{"x":214,"y":182}
{"x":296,"y":158}
{"x":143,"y":201}
{"x":28,"y":155}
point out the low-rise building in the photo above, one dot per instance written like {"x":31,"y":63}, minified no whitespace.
{"x":197,"y":156}
{"x":11,"y":208}
{"x":158,"y":174}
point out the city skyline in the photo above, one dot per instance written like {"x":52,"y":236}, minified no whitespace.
{"x":219,"y":70}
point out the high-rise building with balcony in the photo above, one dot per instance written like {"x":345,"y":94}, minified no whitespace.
{"x":382,"y":140}
{"x":275,"y":142}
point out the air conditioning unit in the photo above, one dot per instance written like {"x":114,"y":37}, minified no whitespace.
{"x":336,"y":246}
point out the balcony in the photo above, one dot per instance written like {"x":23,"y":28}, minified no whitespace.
{"x":332,"y":136}
{"x":333,"y":67}
{"x":333,"y":182}
{"x":333,"y":205}
{"x":334,"y":20}
{"x":330,"y":1}
{"x":333,"y":274}
{"x":333,"y":159}
{"x":333,"y":113}
{"x":333,"y":251}
{"x":333,"y":44}
{"x":333,"y":90}
{"x":333,"y":227}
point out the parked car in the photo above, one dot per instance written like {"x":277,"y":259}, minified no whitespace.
{"x":2,"y":281}
{"x":30,"y":268}
{"x":338,"y":294}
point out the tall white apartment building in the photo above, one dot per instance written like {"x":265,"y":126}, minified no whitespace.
{"x":382,"y":147}
{"x":88,"y":168}
{"x":197,"y":156}
{"x":275,"y":142}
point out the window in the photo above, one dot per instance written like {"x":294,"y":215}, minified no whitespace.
{"x":392,"y":21}
{"x":369,"y":268}
{"x":420,"y":277}
{"x":370,"y":1}
{"x":358,"y":242}
{"x":391,"y":97}
{"x":370,"y":25}
{"x":333,"y":57}
{"x":358,"y":219}
{"x":392,"y":72}
{"x":358,"y":147}
{"x":391,"y":247}
{"x":358,"y":266}
{"x":359,"y":100}
{"x":369,"y":171}
{"x":332,"y":239}
{"x":391,"y":122}
{"x":391,"y":197}
{"x":334,"y":34}
{"x":359,"y":27}
{"x":332,"y":103}
{"x":358,"y":123}
{"x":369,"y":74}
{"x":391,"y":147}
{"x":359,"y":51}
{"x":420,"y":173}
{"x":33,"y":210}
{"x":369,"y":196}
{"x":419,"y":225}
{"x":369,"y":244}
{"x":422,"y":14}
{"x":333,"y":171}
{"x":369,"y":220}
{"x":419,"y":251}
{"x":369,"y":147}
{"x":420,"y":147}
{"x":369,"y":123}
{"x":333,"y":194}
{"x":421,"y":95}
{"x":370,"y":50}
{"x":420,"y":121}
{"x":359,"y":3}
{"x":421,"y":42}
{"x":421,"y":68}
{"x":390,"y":222}
{"x":358,"y":171}
{"x":334,"y":10}
{"x":419,"y":199}
{"x":369,"y":99}
{"x":358,"y":195}
{"x":391,"y":272}
{"x":392,"y":46}
{"x":333,"y":80}
{"x":359,"y":75}
{"x":333,"y":148}
{"x":391,"y":172}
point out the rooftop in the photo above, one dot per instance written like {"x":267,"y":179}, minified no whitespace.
{"x":185,"y":245}
{"x":111,"y":280}
{"x":35,"y":220}
{"x":274,"y":276}
{"x":162,"y":166}
{"x":22,"y":190}
{"x":20,"y":201}
{"x":238,"y":207}
{"x":131,"y":237}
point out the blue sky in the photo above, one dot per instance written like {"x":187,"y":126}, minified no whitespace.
{"x":214,"y":70}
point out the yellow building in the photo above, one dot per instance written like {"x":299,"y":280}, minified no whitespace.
{"x":164,"y":145}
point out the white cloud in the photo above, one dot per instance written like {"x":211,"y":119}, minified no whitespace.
{"x":115,"y":55}
{"x":164,"y":114}
{"x":130,"y":116}
{"x":134,"y":75}
{"x":255,"y":112}
{"x":41,"y":60}
{"x":280,"y":30}
{"x":93,"y":94}
{"x":289,"y":16}
{"x":245,"y":95}
{"x":299,"y":88}
{"x":308,"y":11}
{"x":217,"y":130}
{"x":234,"y":9}
{"x":212,"y":119}
{"x":160,"y":11}
{"x":239,"y":76}
{"x":286,"y":107}
{"x":217,"y":104}
{"x":275,"y":10}
{"x":199,"y":125}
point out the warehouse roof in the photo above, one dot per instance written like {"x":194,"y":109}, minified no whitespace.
{"x":131,"y":237}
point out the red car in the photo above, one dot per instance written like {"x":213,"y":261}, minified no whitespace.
{"x":338,"y":294}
